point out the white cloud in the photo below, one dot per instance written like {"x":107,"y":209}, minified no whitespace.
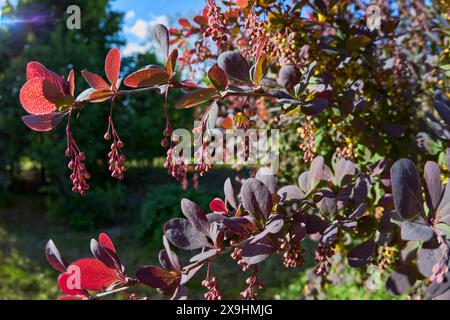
{"x":142,"y":28}
{"x":134,"y":48}
{"x":128,"y":15}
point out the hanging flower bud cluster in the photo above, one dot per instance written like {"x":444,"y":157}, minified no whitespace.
{"x":323,"y":254}
{"x":116,"y":159}
{"x":256,"y":35}
{"x":293,"y":256}
{"x":307,"y":134}
{"x":212,"y":285}
{"x":79,"y":173}
{"x":236,"y":255}
{"x":254,"y":285}
{"x":441,"y":268}
{"x":216,"y":21}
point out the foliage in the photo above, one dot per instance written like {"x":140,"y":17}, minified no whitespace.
{"x":355,"y":94}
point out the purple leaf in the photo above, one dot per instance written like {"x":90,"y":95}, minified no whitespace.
{"x":253,"y":253}
{"x":362,"y":254}
{"x":229,"y":193}
{"x":256,"y":199}
{"x":155,"y":277}
{"x":105,"y":255}
{"x":315,"y":106}
{"x":289,"y":193}
{"x":316,"y":172}
{"x":171,"y":256}
{"x":161,"y":35}
{"x":433,"y":184}
{"x":183,"y":235}
{"x":416,"y":231}
{"x":235,"y":65}
{"x":205,"y":255}
{"x":358,"y":213}
{"x":401,"y":279}
{"x":315,"y":224}
{"x":289,"y":76}
{"x":54,"y":257}
{"x":195,"y":215}
{"x":239,"y":225}
{"x":192,"y":270}
{"x":344,"y":171}
{"x":406,"y":188}
{"x":329,"y":235}
{"x":266,"y":176}
{"x":427,"y":257}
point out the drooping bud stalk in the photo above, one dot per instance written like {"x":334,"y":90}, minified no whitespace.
{"x":79,"y":173}
{"x":116,"y":158}
{"x":254,"y":285}
{"x":212,"y":285}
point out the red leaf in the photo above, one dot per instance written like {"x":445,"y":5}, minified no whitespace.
{"x":156,"y":277}
{"x":37,"y":96}
{"x":242,"y":3}
{"x":44,"y":122}
{"x":71,"y":82}
{"x":95,"y":275}
{"x":217,"y":205}
{"x":147,"y":77}
{"x":94,"y":80}
{"x":106,"y":242}
{"x":112,"y":66}
{"x":38,"y":70}
{"x":195,"y":98}
{"x":218,"y":77}
{"x":184,"y":23}
{"x":75,"y":297}
{"x":172,"y":62}
{"x":68,"y":285}
{"x":227,"y":123}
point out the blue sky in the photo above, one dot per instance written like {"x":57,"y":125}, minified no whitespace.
{"x":141,"y":15}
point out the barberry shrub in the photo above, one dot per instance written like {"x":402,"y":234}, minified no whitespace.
{"x":347,"y":95}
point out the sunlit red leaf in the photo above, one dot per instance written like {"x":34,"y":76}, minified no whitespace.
{"x":184,"y":23}
{"x":95,"y":275}
{"x":74,"y":297}
{"x":218,"y":78}
{"x":172,"y":62}
{"x":44,"y":122}
{"x":147,"y":77}
{"x":227,"y":123}
{"x":106,"y":242}
{"x":112,"y":66}
{"x":195,"y":98}
{"x":94,"y":80}
{"x":67,"y":284}
{"x":38,"y":96}
{"x":242,"y":3}
{"x":71,"y":82}
{"x":218,"y":205}
{"x":38,"y":70}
